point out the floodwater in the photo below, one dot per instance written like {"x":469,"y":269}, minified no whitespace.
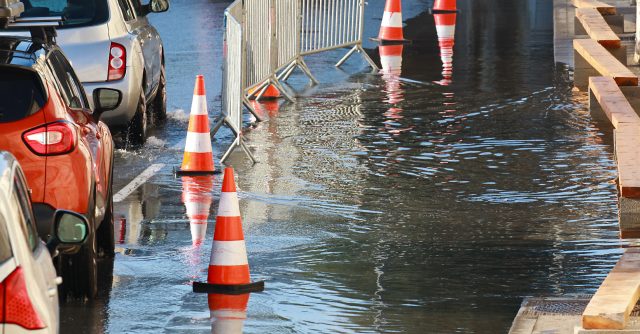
{"x":402,"y":202}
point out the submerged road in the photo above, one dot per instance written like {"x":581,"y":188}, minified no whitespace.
{"x":379,"y":204}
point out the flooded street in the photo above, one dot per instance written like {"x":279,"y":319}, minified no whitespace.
{"x":399,"y":202}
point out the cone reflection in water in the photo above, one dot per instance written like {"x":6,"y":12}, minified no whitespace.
{"x":446,"y":29}
{"x":391,"y":60}
{"x":266,"y":107}
{"x":228,"y":313}
{"x":197,"y":198}
{"x":445,"y":5}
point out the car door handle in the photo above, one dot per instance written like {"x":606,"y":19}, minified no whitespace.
{"x":52,"y":292}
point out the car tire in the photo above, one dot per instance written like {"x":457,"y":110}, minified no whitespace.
{"x":160,"y":100}
{"x":80,"y":271}
{"x":105,"y":232}
{"x":137,"y":129}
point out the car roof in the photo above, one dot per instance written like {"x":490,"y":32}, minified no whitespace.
{"x":21,"y":51}
{"x":7,"y":167}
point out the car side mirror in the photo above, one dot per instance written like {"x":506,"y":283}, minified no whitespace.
{"x":105,"y":99}
{"x":69,"y":228}
{"x":158,"y":6}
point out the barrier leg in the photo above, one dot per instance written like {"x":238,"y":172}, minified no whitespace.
{"x":287,"y":69}
{"x":288,"y":73}
{"x":251,"y":109}
{"x":247,"y":151}
{"x":344,"y":59}
{"x":219,"y":122}
{"x":303,"y":66}
{"x":275,"y":82}
{"x":368,"y":59}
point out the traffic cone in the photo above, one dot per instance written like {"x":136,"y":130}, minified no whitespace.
{"x":391,"y":60}
{"x":228,"y":313}
{"x":446,"y":29}
{"x":391,"y":26}
{"x":198,"y":154}
{"x":197,"y":198}
{"x":270,"y":93}
{"x":228,"y":267}
{"x":444,"y":6}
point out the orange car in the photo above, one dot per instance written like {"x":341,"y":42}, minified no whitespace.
{"x":65,"y":151}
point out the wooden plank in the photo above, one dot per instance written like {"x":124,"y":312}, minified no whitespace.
{"x":597,"y":28}
{"x":627,"y":151}
{"x":613,"y":102}
{"x":612,"y":304}
{"x":603,"y":8}
{"x":603,"y":62}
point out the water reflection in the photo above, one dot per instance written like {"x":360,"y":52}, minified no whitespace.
{"x":446,"y":30}
{"x":228,"y":313}
{"x":197,"y":198}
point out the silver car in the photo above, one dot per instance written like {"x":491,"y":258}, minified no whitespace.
{"x":28,"y":281}
{"x":111,"y":44}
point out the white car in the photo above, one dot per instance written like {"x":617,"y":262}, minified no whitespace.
{"x":111,"y":44}
{"x":28,"y":281}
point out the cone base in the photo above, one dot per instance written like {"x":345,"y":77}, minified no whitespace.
{"x":442,"y":11}
{"x":391,"y":41}
{"x":179,"y":172}
{"x":225,"y":289}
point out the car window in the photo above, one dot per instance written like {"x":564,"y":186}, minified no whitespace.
{"x":21,"y":94}
{"x":67,"y":80}
{"x":20,"y":199}
{"x":5,"y":243}
{"x":127,"y":10}
{"x":77,"y":13}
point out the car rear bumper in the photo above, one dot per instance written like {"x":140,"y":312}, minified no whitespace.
{"x":130,"y":88}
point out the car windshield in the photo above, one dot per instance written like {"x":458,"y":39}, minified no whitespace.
{"x":76,"y":13}
{"x":20,"y":94}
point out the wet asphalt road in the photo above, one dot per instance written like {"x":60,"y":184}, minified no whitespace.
{"x":378,"y":204}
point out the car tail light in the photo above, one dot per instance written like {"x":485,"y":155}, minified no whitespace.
{"x":51,"y":139}
{"x":17,"y":307}
{"x":117,"y":62}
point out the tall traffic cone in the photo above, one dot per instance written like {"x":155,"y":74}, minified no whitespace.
{"x":197,"y":198}
{"x":198,"y":154}
{"x":391,"y":60}
{"x":391,"y":26}
{"x":228,"y":313}
{"x":228,"y":267}
{"x":444,"y":6}
{"x":446,"y":28}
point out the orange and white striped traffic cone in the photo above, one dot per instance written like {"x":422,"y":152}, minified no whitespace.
{"x":391,"y":27}
{"x":228,"y":313}
{"x":446,"y":29}
{"x":197,"y":198}
{"x":444,"y":6}
{"x":228,"y":267}
{"x":198,"y":154}
{"x":271,"y":92}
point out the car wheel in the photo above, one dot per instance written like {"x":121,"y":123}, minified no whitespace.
{"x":160,"y":100}
{"x":137,"y":129}
{"x":106,"y":241}
{"x":80,"y":271}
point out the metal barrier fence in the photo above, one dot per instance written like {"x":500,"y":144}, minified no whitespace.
{"x":266,"y":40}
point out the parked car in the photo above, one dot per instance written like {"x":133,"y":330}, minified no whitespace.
{"x":112,"y":44}
{"x":65,"y":151}
{"x":28,"y":281}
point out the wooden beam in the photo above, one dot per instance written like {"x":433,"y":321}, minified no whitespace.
{"x":627,"y":151}
{"x":603,"y":62}
{"x":613,"y":302}
{"x":597,"y":28}
{"x":613,"y":102}
{"x":603,"y":8}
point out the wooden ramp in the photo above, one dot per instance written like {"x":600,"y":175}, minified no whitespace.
{"x":597,"y":28}
{"x":592,"y":59}
{"x":603,"y":8}
{"x":612,"y":304}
